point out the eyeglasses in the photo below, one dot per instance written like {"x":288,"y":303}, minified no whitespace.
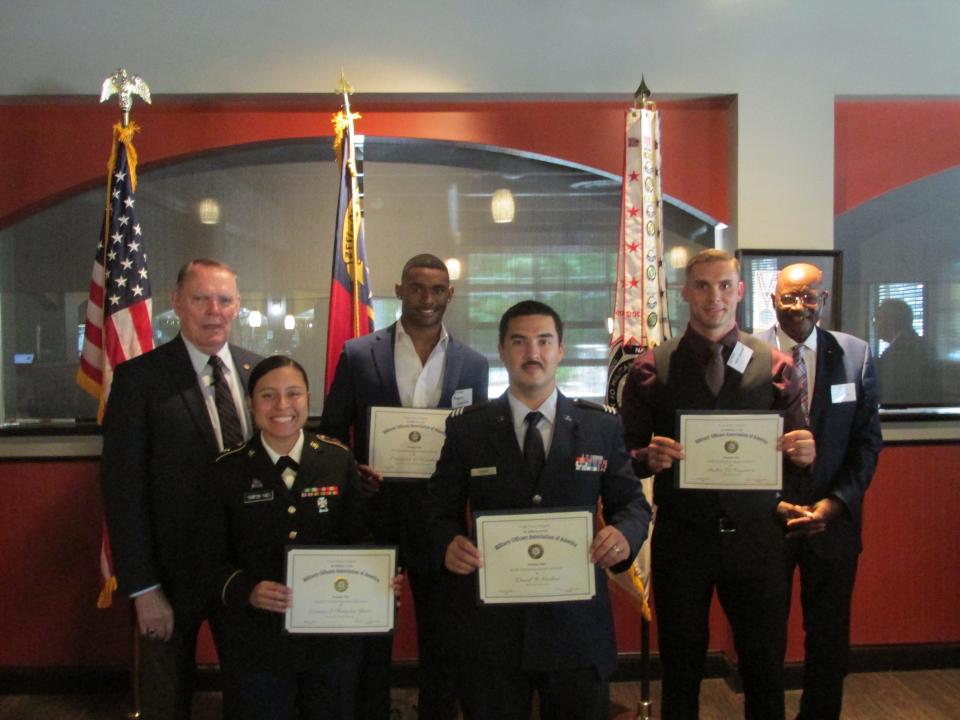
{"x":810,"y":299}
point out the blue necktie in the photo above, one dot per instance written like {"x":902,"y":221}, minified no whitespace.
{"x":533,"y":451}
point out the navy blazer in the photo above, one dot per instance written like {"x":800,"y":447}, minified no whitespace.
{"x":541,"y":637}
{"x":847,"y":434}
{"x":157,"y":443}
{"x":366,"y":376}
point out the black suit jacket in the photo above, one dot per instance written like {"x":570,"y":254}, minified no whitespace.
{"x":847,"y":434}
{"x":157,"y":443}
{"x":550,"y":636}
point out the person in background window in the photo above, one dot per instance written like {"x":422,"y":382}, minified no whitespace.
{"x":907,"y":371}
{"x":533,"y":449}
{"x":280,"y":488}
{"x":728,"y":540}
{"x":413,"y":363}
{"x":823,"y":539}
{"x":171,"y":411}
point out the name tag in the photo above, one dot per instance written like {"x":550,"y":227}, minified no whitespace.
{"x":843,"y":392}
{"x":462,"y":398}
{"x":257,"y":496}
{"x":740,"y":357}
{"x":483,"y":472}
{"x":590,"y":463}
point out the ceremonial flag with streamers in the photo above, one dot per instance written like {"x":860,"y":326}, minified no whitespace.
{"x":351,"y":300}
{"x":640,"y":320}
{"x":119,"y":311}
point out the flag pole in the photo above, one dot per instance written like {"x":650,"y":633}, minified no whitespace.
{"x":641,"y":99}
{"x":125,"y":86}
{"x":640,"y":319}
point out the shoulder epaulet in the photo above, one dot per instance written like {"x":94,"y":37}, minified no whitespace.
{"x":230,"y":451}
{"x":594,"y":406}
{"x":329,"y":440}
{"x":466,"y":409}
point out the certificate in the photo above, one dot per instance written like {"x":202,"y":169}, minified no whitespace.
{"x":405,"y":442}
{"x":537,"y":557}
{"x":341,"y":590}
{"x":730,"y":451}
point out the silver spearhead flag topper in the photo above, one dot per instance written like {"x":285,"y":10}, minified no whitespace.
{"x":125,"y":86}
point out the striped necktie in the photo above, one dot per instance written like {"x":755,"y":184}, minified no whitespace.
{"x":231,"y":431}
{"x":801,"y":367}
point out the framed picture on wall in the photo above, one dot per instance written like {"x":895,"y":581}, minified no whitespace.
{"x":759,"y":268}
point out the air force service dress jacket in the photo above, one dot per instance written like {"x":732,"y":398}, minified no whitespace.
{"x":482,"y":467}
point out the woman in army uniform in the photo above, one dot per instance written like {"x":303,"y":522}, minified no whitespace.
{"x":281,"y":488}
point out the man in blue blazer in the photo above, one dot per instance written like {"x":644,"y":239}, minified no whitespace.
{"x":533,"y":449}
{"x":161,"y":430}
{"x":823,"y":534}
{"x":413,"y":363}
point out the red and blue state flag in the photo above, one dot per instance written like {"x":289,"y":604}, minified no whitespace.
{"x":351,"y":300}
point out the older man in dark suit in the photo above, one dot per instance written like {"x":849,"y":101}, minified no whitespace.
{"x":533,"y":449}
{"x":170,"y":412}
{"x":823,"y":537}
{"x":413,"y":363}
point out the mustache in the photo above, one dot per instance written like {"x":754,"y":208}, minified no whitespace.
{"x":533,"y":362}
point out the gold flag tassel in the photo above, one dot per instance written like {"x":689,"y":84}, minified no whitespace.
{"x":631,"y":580}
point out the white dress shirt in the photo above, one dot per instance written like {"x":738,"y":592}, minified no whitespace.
{"x":296,"y":452}
{"x":420,"y":384}
{"x":518,"y":413}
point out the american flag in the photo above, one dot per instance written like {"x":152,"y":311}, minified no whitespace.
{"x":119,"y":312}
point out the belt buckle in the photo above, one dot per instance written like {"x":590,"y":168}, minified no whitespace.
{"x":726,"y":526}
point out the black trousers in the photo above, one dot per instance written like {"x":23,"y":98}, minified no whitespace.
{"x":168,"y":672}
{"x":495,"y":694}
{"x":325,"y":692}
{"x":746,"y":569}
{"x":826,"y":588}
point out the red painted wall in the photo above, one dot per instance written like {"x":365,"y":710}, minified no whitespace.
{"x":51,"y":149}
{"x":906,"y":592}
{"x":880,"y":145}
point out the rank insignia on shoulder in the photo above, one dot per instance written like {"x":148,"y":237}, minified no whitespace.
{"x":594,"y":406}
{"x":330,"y":441}
{"x":467,"y":409}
